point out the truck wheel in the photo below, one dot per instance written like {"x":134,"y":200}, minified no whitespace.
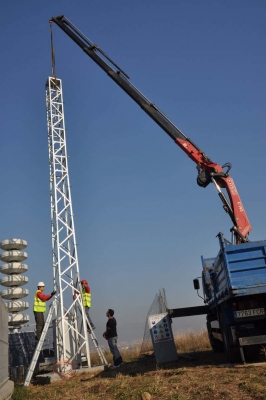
{"x":232,"y":350}
{"x":217,"y":345}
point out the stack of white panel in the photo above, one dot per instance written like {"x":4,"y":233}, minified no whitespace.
{"x":13,"y":256}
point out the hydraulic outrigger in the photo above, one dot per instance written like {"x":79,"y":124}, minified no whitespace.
{"x":208,"y":171}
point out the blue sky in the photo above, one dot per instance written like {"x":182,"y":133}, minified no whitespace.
{"x":141,"y":220}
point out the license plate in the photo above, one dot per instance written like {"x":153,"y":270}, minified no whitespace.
{"x":249,"y":313}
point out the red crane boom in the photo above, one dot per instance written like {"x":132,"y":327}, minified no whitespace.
{"x":208,"y":171}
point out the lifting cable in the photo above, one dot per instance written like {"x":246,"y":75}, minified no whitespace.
{"x":52,"y":51}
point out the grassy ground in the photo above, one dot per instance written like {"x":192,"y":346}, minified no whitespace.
{"x":199,"y":374}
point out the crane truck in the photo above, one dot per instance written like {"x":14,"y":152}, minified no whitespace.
{"x":234,"y":282}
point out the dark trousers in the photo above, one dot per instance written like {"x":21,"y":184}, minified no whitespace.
{"x":112,"y":342}
{"x":39,"y":318}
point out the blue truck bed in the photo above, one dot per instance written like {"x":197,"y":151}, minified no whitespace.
{"x":238,"y":270}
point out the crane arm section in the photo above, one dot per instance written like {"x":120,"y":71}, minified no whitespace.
{"x":208,"y":171}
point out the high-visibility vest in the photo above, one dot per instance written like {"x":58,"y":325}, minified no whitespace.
{"x":86,"y":298}
{"x":39,"y":305}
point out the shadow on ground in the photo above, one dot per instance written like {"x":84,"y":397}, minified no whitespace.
{"x":148,"y":364}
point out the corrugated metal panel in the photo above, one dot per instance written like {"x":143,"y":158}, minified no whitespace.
{"x":3,"y":343}
{"x":246,"y":264}
{"x":238,"y":270}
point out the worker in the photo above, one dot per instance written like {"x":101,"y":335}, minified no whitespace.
{"x":111,"y":335}
{"x":39,"y":307}
{"x":86,"y":296}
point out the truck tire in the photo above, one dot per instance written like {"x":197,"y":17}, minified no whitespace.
{"x":232,"y":350}
{"x":217,"y":345}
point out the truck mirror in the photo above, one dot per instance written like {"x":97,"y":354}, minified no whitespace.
{"x":196,"y":284}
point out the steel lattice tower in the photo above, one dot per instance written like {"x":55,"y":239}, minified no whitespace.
{"x":71,"y":326}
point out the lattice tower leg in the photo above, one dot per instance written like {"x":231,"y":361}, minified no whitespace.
{"x":70,"y":315}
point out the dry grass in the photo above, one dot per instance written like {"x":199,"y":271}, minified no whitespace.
{"x":192,"y":341}
{"x":204,"y":377}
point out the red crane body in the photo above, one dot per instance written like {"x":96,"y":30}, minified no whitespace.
{"x":240,"y":217}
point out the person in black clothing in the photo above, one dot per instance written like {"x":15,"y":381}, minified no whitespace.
{"x":111,"y":335}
